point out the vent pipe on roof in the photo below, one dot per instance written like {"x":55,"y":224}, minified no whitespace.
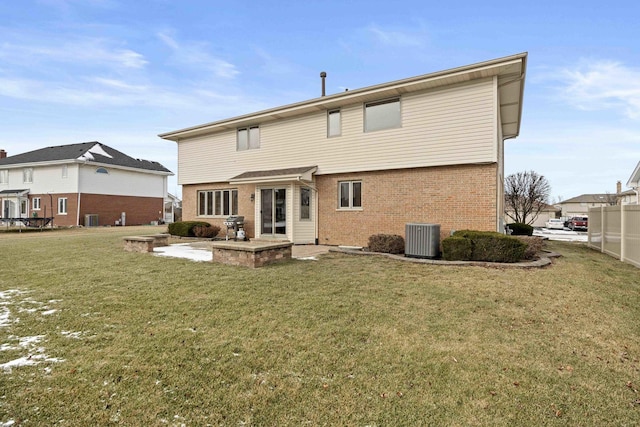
{"x":323,"y":76}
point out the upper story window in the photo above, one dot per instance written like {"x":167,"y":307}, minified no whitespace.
{"x":65,"y":171}
{"x":382,"y":115}
{"x":102,"y":170}
{"x":248,"y":138}
{"x":27,"y":175}
{"x":350,"y":195}
{"x":4,"y":176}
{"x":334,"y":123}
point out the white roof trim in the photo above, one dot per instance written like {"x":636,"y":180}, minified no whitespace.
{"x":634,"y":180}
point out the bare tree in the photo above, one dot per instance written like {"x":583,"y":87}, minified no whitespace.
{"x":526,"y":194}
{"x":611,"y":199}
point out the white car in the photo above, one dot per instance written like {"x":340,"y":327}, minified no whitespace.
{"x":556,"y":224}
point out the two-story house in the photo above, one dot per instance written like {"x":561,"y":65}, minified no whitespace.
{"x":69,"y":182}
{"x":634,"y":184}
{"x":340,"y":168}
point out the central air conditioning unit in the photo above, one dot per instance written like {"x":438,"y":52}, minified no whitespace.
{"x":91,"y":220}
{"x":422,"y":240}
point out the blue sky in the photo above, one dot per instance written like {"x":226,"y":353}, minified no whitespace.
{"x":121,"y":71}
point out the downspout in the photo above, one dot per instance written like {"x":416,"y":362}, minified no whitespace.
{"x":78,"y":210}
{"x":79,"y":193}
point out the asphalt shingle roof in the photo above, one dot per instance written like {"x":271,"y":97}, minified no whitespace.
{"x":86,"y":151}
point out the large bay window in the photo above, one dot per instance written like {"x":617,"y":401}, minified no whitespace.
{"x":217,"y":202}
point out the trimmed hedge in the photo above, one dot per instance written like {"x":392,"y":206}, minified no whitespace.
{"x":520,"y":229}
{"x":386,"y":243}
{"x":457,"y":249}
{"x":206,"y":231}
{"x":534,"y":245}
{"x":185,"y":228}
{"x":489,"y":246}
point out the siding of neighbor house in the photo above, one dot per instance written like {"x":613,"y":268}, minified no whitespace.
{"x":121,"y":182}
{"x":456,"y":125}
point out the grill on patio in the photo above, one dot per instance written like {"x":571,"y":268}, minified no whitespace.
{"x":234,"y":223}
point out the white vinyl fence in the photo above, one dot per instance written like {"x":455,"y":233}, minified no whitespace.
{"x":615,"y":230}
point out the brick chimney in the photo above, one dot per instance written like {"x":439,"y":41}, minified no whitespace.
{"x":3,"y":154}
{"x":618,"y":187}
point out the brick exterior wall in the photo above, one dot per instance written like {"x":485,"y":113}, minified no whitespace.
{"x":246,"y":207}
{"x":456,"y":197}
{"x":139,"y":210}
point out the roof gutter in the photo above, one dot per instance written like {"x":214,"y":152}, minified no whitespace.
{"x":344,"y":98}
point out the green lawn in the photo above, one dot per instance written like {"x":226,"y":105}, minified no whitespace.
{"x":122,"y":338}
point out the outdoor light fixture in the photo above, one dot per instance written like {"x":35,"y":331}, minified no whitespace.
{"x":253,"y":196}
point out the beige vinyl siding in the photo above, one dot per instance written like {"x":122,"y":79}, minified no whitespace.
{"x":449,"y":126}
{"x":303,"y":230}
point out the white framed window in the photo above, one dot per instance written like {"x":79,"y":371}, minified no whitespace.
{"x":350,"y":194}
{"x":218,"y":202}
{"x":24,"y":207}
{"x":4,"y":176}
{"x":62,"y":205}
{"x":305,"y":203}
{"x":27,"y":175}
{"x":334,"y":123}
{"x":65,"y":171}
{"x":35,"y":203}
{"x":382,"y":115}
{"x":248,"y":138}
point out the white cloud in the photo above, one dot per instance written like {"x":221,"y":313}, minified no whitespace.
{"x":196,"y":55}
{"x":273,"y":65}
{"x":599,"y":85}
{"x":391,"y":38}
{"x":79,"y":52}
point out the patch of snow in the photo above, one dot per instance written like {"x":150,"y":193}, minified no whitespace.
{"x":97,"y":149}
{"x":10,"y":293}
{"x":184,"y":250}
{"x":70,"y":334}
{"x":30,"y":360}
{"x":8,"y":423}
{"x":28,"y":341}
{"x":86,"y":156}
{"x":48,"y":312}
{"x":4,"y":316}
{"x":7,"y":347}
{"x":308,"y":258}
{"x":560,"y":235}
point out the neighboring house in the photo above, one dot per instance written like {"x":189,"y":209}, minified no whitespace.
{"x":580,"y":205}
{"x":546,"y":213}
{"x":340,"y":168}
{"x":172,"y":207}
{"x":69,"y":182}
{"x":634,"y":184}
